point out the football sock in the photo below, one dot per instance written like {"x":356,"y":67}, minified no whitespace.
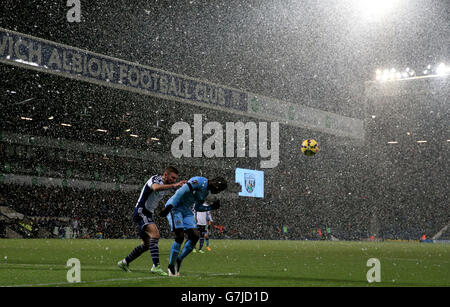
{"x":207,"y":242}
{"x":188,"y":247}
{"x":136,"y":252}
{"x":201,"y":243}
{"x":154,"y":250}
{"x":174,"y":251}
{"x":178,"y":264}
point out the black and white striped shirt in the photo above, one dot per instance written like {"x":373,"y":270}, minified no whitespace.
{"x":149,"y":199}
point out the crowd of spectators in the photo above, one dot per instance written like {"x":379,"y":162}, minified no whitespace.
{"x":107,"y":214}
{"x":97,"y":211}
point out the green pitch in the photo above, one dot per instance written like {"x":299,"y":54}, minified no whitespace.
{"x":231,"y":263}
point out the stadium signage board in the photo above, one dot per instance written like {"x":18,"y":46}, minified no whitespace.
{"x":305,"y":117}
{"x":251,"y":182}
{"x":30,"y":52}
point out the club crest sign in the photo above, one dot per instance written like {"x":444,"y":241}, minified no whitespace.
{"x":250,"y":182}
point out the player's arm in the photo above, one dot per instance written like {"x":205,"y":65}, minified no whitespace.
{"x":208,"y":227}
{"x":161,"y":187}
{"x":175,"y":200}
{"x":199,"y":206}
{"x":209,"y":218}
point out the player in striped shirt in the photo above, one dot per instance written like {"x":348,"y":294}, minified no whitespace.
{"x":151,"y":194}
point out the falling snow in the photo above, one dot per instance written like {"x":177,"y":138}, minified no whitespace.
{"x":77,"y":149}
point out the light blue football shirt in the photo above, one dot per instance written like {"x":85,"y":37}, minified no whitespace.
{"x":191,"y":195}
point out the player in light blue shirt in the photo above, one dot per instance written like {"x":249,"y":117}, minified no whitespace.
{"x":178,"y":210}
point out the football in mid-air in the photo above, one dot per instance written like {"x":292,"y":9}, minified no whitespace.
{"x":310,"y":147}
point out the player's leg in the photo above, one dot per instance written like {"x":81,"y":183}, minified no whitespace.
{"x":193,"y":237}
{"x":175,"y":251}
{"x":134,"y":254}
{"x":190,"y":228}
{"x":141,"y":222}
{"x":207,"y":241}
{"x":201,"y":232}
{"x":176,"y":226}
{"x":140,"y":249}
{"x":153,"y":235}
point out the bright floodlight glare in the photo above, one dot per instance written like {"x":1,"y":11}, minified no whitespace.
{"x":378,"y":74}
{"x":374,"y":10}
{"x":385,"y":76}
{"x":388,"y":74}
{"x":442,"y":69}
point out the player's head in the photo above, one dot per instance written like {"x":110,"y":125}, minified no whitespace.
{"x":217,"y":185}
{"x":170,"y":175}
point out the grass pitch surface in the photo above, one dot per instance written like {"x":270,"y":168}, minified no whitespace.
{"x":231,"y":263}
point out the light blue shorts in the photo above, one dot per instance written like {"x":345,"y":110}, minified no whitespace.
{"x":179,"y":219}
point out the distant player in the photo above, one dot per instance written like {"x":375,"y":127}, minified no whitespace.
{"x":151,"y":194}
{"x":178,"y":210}
{"x":204,"y":221}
